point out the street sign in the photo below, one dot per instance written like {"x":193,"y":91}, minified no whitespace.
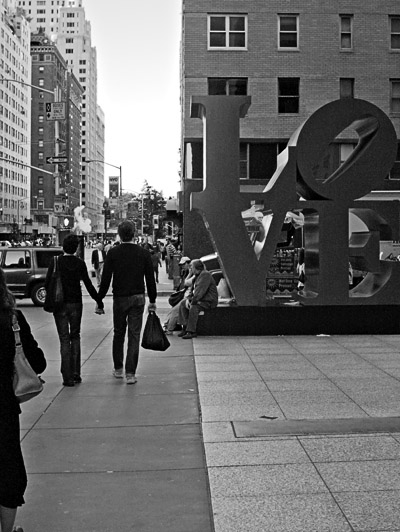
{"x":55,"y":111}
{"x":56,"y":159}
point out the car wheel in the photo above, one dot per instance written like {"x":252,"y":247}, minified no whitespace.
{"x":38,"y":294}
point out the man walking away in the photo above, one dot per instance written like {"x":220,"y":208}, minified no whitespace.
{"x":98,"y":262}
{"x":129,"y":266}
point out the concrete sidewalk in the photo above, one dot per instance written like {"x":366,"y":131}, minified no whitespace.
{"x":301,"y":434}
{"x":104,"y":456}
{"x":338,"y":468}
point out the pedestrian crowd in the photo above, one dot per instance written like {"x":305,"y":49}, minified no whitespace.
{"x":45,"y":241}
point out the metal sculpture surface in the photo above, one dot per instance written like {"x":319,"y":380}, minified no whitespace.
{"x":303,"y":182}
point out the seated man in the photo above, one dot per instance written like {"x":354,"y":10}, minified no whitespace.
{"x":203,"y":296}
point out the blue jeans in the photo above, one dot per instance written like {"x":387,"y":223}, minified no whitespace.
{"x":127,"y":311}
{"x":68,"y":322}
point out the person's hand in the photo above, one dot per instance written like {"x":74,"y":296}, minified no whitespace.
{"x":152,"y":307}
{"x":187,"y":304}
{"x":99,"y":308}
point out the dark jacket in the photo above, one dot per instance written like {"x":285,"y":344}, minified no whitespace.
{"x":73,"y":270}
{"x":8,"y":402}
{"x":128,"y":265}
{"x":204,"y":290}
{"x":95,"y":258}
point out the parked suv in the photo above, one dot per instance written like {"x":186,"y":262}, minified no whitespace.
{"x":25,"y":269}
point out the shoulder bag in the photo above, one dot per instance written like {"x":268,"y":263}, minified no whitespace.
{"x":176,"y":297}
{"x":26,"y":383}
{"x":54,"y":294}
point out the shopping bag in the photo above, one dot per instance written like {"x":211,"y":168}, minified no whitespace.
{"x":54,"y":294}
{"x":154,"y":337}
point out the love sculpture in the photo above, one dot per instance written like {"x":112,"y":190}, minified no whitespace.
{"x":303,"y":182}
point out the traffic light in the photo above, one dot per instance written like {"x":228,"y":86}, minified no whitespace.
{"x":107,"y":213}
{"x":156,"y":221}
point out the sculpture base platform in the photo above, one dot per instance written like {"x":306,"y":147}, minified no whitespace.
{"x":300,"y":320}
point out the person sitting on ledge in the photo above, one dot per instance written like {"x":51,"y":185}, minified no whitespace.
{"x":203,"y":295}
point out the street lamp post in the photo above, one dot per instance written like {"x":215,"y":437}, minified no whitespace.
{"x":109,"y":164}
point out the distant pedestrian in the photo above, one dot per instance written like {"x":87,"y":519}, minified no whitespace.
{"x":169,"y":259}
{"x":129,"y":266}
{"x":68,"y":317}
{"x":155,"y":259}
{"x":98,"y":257}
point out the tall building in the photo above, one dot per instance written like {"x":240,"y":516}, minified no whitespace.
{"x":65,"y":22}
{"x":15,"y":101}
{"x":56,"y":138}
{"x":291,"y":58}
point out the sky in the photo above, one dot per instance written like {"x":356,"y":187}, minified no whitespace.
{"x":137,"y":43}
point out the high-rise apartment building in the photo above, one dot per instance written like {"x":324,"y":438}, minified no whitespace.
{"x":291,"y":58}
{"x":15,"y":102}
{"x":56,"y":137}
{"x":65,"y":22}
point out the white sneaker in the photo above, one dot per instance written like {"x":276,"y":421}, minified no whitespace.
{"x":130,"y":379}
{"x":118,"y":373}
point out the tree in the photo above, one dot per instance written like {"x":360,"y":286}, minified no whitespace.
{"x":153,"y":203}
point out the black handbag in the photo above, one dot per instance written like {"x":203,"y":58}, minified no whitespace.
{"x":54,"y":294}
{"x":176,"y":297}
{"x":154,"y":337}
{"x":26,"y":383}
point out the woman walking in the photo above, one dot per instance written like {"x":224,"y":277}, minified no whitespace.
{"x":13,"y":478}
{"x":68,"y":316}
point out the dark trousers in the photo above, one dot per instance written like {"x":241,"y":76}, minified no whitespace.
{"x":68,"y":322}
{"x":189,"y":317}
{"x":127,"y":311}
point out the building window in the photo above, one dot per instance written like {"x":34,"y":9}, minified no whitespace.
{"x":41,"y":69}
{"x":288,"y":32}
{"x":395,"y":96}
{"x":40,"y":192}
{"x":395,"y":171}
{"x":40,"y":180}
{"x":40,"y":205}
{"x":41,"y":82}
{"x":69,"y":50}
{"x":227,"y":31}
{"x":40,"y":155}
{"x":227,"y":86}
{"x":346,"y":32}
{"x":40,"y":118}
{"x":244,"y":161}
{"x":69,"y":40}
{"x":288,"y":95}
{"x":40,"y":131}
{"x":70,"y":24}
{"x":395,"y":33}
{"x":40,"y":143}
{"x":346,"y":88}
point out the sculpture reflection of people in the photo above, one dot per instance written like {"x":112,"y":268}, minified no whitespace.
{"x":301,"y":271}
{"x":258,"y":222}
{"x":203,"y":296}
